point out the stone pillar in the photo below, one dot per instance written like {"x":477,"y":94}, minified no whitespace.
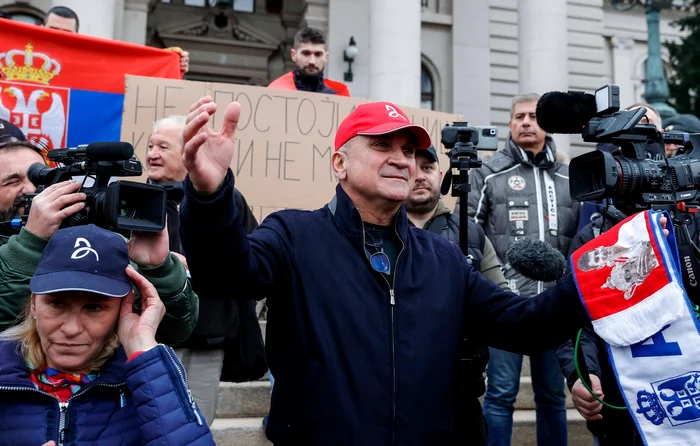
{"x":395,"y":59}
{"x":623,"y":69}
{"x":135,"y":21}
{"x":543,"y":52}
{"x":96,"y":17}
{"x":471,"y":61}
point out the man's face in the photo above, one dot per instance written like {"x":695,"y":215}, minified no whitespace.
{"x":380,"y":168}
{"x":164,"y":155}
{"x":14,"y":184}
{"x":523,"y":126}
{"x":425,"y":194}
{"x":61,"y":23}
{"x":311,"y":58}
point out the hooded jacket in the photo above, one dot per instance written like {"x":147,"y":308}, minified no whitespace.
{"x":358,"y":360}
{"x":145,"y":401}
{"x":292,"y":81}
{"x":516,"y":195}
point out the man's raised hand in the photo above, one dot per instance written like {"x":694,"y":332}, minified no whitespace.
{"x":208,"y":154}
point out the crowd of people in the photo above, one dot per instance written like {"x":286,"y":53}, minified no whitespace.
{"x":381,"y":328}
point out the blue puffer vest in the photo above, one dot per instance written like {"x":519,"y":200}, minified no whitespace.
{"x":144,"y":401}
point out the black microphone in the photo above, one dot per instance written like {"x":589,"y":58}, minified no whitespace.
{"x":559,"y":112}
{"x":95,"y":151}
{"x":536,"y":260}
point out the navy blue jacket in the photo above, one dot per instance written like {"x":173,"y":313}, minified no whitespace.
{"x":356,"y":360}
{"x":143,"y":402}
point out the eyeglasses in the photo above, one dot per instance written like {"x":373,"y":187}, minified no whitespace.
{"x":379,"y":260}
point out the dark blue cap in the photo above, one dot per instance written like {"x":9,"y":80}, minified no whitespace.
{"x":83,"y":258}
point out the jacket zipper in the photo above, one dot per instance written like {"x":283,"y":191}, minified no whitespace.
{"x":183,"y":379}
{"x":540,"y":215}
{"x":63,"y":406}
{"x":392,"y":303}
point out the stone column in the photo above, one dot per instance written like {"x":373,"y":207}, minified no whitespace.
{"x":471,"y":61}
{"x":394,"y":59}
{"x":623,"y":69}
{"x":135,"y":21}
{"x":543,"y":53}
{"x":96,"y":17}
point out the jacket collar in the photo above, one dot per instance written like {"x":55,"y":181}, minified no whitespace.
{"x":14,"y":371}
{"x":350,"y":222}
{"x":544,"y":159}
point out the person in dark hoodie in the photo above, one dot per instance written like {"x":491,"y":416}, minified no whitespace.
{"x":365,"y":313}
{"x":310,"y":56}
{"x":203,"y":353}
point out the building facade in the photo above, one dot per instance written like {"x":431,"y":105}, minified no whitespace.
{"x":463,"y":56}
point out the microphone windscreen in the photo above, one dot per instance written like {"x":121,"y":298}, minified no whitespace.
{"x":109,"y":151}
{"x":536,"y":260}
{"x":559,"y":112}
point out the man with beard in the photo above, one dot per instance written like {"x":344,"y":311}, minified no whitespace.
{"x":21,"y":251}
{"x":425,"y":209}
{"x":310,"y":55}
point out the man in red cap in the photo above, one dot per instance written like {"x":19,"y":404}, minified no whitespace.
{"x":365,"y":312}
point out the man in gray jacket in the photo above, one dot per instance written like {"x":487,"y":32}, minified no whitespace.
{"x":523,"y":191}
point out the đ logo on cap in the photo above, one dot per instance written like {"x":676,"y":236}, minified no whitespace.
{"x":79,"y":253}
{"x":393,"y":113}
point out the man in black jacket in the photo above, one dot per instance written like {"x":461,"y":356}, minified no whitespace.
{"x":366,"y":313}
{"x":203,"y":353}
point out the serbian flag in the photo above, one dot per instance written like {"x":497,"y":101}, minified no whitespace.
{"x":64,"y":89}
{"x":629,"y":280}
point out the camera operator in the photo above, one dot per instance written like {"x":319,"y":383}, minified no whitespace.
{"x":426,"y":210}
{"x":523,"y":191}
{"x":20,"y":253}
{"x":611,"y":426}
{"x":203,"y":353}
{"x":680,"y":124}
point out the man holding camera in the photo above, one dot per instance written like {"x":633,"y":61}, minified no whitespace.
{"x":20,"y":253}
{"x":366,"y":313}
{"x":426,"y":210}
{"x":610,"y":426}
{"x":523,"y":191}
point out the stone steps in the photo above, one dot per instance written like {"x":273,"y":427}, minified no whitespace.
{"x":249,"y":431}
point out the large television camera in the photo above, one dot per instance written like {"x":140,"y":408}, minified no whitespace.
{"x":121,"y":205}
{"x":636,"y":174}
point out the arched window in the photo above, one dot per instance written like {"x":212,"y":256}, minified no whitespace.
{"x":23,"y":12}
{"x":427,"y":89}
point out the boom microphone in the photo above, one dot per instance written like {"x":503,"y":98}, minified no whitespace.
{"x":559,"y":112}
{"x":95,"y":151}
{"x":536,"y":260}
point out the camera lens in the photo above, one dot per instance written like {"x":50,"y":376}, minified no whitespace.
{"x":125,"y":210}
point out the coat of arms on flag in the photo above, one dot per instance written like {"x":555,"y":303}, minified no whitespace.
{"x":28,"y":101}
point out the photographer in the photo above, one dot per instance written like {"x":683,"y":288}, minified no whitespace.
{"x":20,"y":253}
{"x":426,"y":210}
{"x":614,"y":427}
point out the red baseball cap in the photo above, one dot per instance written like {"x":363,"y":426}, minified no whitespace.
{"x":378,"y":118}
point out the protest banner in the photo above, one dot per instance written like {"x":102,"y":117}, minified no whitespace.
{"x":284,"y":139}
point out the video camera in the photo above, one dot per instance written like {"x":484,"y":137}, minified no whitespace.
{"x":121,"y":205}
{"x":637,"y":173}
{"x":463,"y":143}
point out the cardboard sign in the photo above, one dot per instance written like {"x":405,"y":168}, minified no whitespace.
{"x":284,"y":139}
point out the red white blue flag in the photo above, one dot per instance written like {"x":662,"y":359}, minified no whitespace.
{"x":64,"y":89}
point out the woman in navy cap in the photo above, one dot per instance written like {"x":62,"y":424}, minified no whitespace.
{"x":81,"y":367}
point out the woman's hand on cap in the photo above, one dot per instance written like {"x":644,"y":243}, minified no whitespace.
{"x":138,"y":332}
